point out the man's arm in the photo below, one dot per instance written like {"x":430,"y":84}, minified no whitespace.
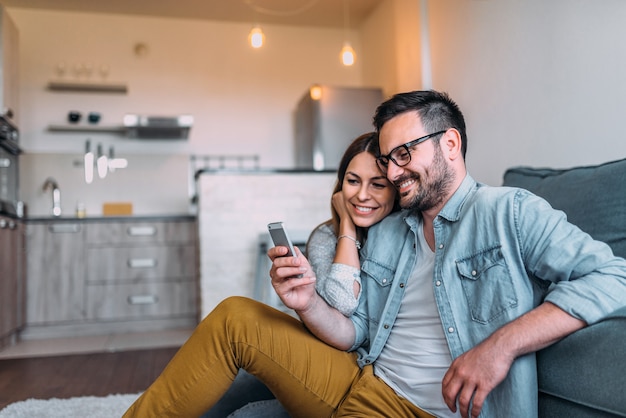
{"x":298,"y":293}
{"x":475,"y":373}
{"x":328,"y":324}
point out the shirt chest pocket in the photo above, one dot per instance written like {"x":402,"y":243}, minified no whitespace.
{"x":378,"y":273}
{"x":487,"y":284}
{"x":377,"y":280}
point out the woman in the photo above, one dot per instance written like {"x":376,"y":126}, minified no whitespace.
{"x":362,"y":197}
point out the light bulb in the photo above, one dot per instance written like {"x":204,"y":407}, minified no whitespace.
{"x":256,"y":37}
{"x":348,"y":56}
{"x":315,"y":92}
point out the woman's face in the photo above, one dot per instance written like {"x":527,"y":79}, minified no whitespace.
{"x":368,"y":195}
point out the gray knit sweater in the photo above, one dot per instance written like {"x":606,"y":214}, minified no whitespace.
{"x":335,"y":282}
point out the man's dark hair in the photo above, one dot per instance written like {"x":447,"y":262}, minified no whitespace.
{"x":436,"y":110}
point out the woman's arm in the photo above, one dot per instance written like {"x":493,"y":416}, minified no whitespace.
{"x":337,"y":283}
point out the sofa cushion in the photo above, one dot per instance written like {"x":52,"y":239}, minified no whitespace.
{"x":586,"y":368}
{"x":592,"y":197}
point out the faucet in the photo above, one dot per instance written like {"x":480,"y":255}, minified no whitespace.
{"x":56,"y":195}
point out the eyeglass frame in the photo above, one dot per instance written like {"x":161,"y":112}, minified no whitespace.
{"x":383,"y":166}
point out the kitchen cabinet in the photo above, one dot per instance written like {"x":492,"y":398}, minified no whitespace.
{"x":140,"y":270}
{"x":55,"y":272}
{"x":11,"y":279}
{"x":104,"y":275}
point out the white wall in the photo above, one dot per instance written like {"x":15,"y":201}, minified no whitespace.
{"x":541,"y":82}
{"x":242,"y":99}
{"x":391,"y":42}
{"x":154,"y":184}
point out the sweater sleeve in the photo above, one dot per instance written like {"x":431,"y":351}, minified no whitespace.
{"x":335,"y":282}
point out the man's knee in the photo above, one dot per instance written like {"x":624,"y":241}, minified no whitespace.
{"x":240,"y":308}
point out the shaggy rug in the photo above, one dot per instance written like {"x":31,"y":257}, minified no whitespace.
{"x":112,"y":406}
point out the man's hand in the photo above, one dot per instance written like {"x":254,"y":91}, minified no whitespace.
{"x":298,"y":293}
{"x":293,"y":278}
{"x":473,"y":375}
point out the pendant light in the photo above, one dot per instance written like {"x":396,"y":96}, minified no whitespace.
{"x":256,"y":37}
{"x":347,"y":55}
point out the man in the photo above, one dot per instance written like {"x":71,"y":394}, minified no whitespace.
{"x":458,"y":291}
{"x":463,"y":270}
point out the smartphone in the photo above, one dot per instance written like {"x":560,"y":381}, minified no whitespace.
{"x":280,"y":237}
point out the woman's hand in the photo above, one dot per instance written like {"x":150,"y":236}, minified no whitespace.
{"x":340,"y":205}
{"x":293,"y":278}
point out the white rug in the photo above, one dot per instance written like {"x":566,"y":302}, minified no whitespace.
{"x":112,"y":406}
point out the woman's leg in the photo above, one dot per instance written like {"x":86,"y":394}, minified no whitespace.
{"x":246,"y":389}
{"x":308,"y":377}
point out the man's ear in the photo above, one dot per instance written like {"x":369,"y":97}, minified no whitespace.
{"x":451,"y":144}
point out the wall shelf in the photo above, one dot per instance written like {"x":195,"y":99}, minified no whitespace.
{"x":88,"y":87}
{"x":85,"y":128}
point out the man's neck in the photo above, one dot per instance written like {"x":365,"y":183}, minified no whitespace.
{"x":429,"y":215}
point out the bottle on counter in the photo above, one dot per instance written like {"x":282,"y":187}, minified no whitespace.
{"x":81,"y":212}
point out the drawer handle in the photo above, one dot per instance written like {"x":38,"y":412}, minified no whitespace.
{"x":64,"y":228}
{"x":142,"y":263}
{"x":142,"y":231}
{"x":143,"y":299}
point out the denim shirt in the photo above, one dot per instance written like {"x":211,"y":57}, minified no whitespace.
{"x":499,"y":252}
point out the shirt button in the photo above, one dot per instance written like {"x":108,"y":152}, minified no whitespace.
{"x":451,"y":330}
{"x":474,"y":273}
{"x":384,"y":281}
{"x":438,"y":283}
{"x":440,"y":246}
{"x":386,"y":326}
{"x":402,"y":285}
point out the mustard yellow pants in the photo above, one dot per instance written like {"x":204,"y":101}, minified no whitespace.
{"x":310,"y":378}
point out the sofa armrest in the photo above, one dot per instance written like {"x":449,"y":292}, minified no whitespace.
{"x":588,"y":367}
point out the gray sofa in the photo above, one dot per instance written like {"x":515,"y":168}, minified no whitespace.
{"x":584,"y":375}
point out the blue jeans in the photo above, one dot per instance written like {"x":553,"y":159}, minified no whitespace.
{"x":247,"y":397}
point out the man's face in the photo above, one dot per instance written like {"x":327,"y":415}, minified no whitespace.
{"x":425,"y":182}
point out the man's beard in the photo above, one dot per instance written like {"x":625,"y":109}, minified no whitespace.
{"x":433,"y":188}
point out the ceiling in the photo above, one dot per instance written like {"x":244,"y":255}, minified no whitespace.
{"x":320,"y":13}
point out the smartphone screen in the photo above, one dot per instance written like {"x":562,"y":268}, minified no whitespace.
{"x":279,"y":237}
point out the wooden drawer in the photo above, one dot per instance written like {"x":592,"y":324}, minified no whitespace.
{"x":140,"y":232}
{"x":139,"y":264}
{"x":131,"y":301}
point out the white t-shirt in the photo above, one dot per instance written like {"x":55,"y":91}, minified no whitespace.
{"x":416,"y":356}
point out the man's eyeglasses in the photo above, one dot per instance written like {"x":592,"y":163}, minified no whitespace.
{"x":401,"y":155}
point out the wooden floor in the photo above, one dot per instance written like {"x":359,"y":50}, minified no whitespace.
{"x":97,"y":374}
